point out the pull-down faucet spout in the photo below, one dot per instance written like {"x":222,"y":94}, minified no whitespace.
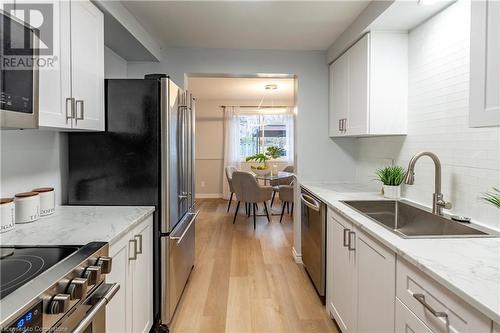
{"x":437,"y":200}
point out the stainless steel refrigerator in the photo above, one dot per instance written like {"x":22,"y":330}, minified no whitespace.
{"x":145,"y":157}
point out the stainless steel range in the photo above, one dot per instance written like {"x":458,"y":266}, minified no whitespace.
{"x":54,"y":288}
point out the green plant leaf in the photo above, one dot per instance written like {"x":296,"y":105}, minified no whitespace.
{"x":275,"y":152}
{"x":260,"y":157}
{"x":492,"y":197}
{"x":391,"y":175}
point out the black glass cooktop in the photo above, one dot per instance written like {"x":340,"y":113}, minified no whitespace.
{"x":20,"y":264}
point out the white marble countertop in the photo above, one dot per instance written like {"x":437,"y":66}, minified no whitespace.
{"x":468,"y":267}
{"x":78,"y":225}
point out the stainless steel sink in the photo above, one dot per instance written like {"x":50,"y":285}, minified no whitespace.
{"x":409,"y":221}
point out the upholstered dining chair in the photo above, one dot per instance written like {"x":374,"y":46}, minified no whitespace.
{"x":229,"y":175}
{"x":286,"y":196}
{"x":248,"y":190}
{"x":285,"y":181}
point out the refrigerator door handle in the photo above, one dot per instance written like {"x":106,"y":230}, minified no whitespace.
{"x":181,"y":237}
{"x":180,"y":145}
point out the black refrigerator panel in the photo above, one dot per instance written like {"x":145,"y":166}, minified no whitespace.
{"x":120,"y":166}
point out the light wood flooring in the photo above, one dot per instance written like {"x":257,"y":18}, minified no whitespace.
{"x":246,"y":280}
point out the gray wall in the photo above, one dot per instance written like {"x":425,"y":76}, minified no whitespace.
{"x":115,"y":67}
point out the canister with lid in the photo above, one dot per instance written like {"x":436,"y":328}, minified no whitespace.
{"x":47,"y":200}
{"x":7,"y":214}
{"x":27,"y":207}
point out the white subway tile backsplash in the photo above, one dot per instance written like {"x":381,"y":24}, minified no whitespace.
{"x":438,"y":121}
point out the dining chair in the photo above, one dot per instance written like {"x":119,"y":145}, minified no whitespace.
{"x":229,"y":175}
{"x":286,"y":196}
{"x":248,"y":190}
{"x":284,"y":181}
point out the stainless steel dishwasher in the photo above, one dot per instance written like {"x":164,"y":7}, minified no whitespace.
{"x":313,"y":221}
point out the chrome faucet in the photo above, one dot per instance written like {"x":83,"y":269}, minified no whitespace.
{"x":437,"y":200}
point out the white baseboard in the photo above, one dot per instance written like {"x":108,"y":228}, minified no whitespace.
{"x":296,"y":256}
{"x":208,"y":195}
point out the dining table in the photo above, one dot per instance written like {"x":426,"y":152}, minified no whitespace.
{"x":274,"y":176}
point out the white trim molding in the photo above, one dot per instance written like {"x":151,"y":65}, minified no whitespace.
{"x":297,"y":256}
{"x":208,"y":195}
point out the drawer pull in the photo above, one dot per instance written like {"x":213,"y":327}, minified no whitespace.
{"x":352,"y":241}
{"x":346,"y":237}
{"x":421,"y":299}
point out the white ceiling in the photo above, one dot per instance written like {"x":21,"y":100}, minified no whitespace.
{"x":242,"y":89}
{"x":287,"y":25}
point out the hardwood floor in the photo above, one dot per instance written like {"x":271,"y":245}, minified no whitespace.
{"x":246,"y":280}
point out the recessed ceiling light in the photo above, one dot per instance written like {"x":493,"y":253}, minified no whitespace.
{"x":271,"y":86}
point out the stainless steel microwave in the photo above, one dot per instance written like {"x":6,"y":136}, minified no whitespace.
{"x":18,"y":74}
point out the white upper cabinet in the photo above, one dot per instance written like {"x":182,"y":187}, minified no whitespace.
{"x":369,"y":87}
{"x":87,"y":65}
{"x":338,"y":94}
{"x":55,"y":82}
{"x":72,"y":93}
{"x":484,"y":101}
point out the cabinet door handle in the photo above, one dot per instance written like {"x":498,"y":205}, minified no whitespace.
{"x":70,"y":114}
{"x":340,"y":125}
{"x":421,"y":299}
{"x":134,"y":256}
{"x":346,"y":237}
{"x":352,"y":241}
{"x":139,"y":238}
{"x":344,"y":124}
{"x":82,"y":109}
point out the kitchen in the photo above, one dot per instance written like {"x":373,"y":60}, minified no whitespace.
{"x":432,"y":56}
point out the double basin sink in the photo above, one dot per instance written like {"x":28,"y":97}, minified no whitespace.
{"x":409,"y":221}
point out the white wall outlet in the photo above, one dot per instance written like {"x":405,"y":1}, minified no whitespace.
{"x":202,"y":183}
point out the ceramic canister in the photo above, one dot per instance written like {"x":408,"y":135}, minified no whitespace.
{"x":7,"y":214}
{"x":47,"y":200}
{"x":27,"y":207}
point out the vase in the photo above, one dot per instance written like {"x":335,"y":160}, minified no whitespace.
{"x":261,"y":172}
{"x":392,"y":192}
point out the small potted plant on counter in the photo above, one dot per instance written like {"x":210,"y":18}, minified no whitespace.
{"x":272,"y":152}
{"x":492,"y":197}
{"x":391,"y":178}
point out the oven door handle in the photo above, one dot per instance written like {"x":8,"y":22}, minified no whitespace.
{"x":103,"y":301}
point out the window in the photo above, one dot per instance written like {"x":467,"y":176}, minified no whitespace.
{"x":260,"y":131}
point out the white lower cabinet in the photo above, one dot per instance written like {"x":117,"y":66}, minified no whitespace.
{"x":376,"y":278}
{"x":370,"y":290}
{"x":340,"y":268}
{"x":360,"y":279}
{"x":131,"y":310}
{"x":439,"y":309}
{"x":407,"y":322}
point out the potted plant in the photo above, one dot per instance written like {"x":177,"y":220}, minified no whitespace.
{"x":391,"y":178}
{"x":263,"y":168}
{"x":275,"y":152}
{"x":492,"y":197}
{"x":272,"y":152}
